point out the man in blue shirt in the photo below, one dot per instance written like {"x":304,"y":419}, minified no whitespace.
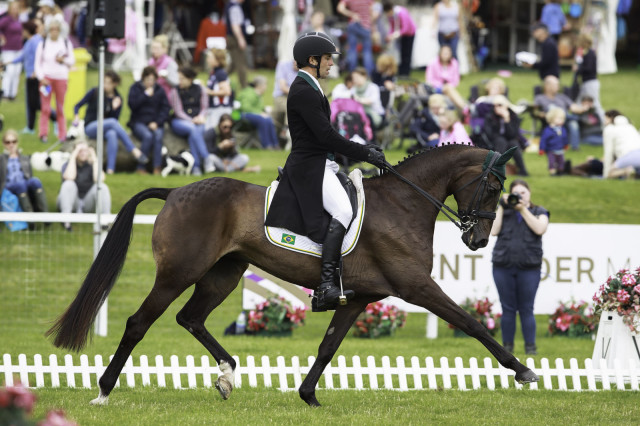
{"x":286,"y":72}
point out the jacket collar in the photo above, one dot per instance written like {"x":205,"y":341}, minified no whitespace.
{"x":313,"y":82}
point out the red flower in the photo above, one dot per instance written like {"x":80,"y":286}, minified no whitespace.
{"x":623,"y":296}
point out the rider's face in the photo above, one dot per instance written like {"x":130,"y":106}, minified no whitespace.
{"x":325,"y":65}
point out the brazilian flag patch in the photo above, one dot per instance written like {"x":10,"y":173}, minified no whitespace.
{"x":288,"y":239}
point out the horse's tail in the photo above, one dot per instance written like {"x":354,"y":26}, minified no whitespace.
{"x":71,"y":329}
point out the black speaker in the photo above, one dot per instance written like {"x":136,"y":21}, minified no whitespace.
{"x":105,"y":18}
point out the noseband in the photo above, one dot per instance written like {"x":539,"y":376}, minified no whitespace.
{"x":469,"y":217}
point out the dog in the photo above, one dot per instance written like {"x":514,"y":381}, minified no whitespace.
{"x":181,"y":163}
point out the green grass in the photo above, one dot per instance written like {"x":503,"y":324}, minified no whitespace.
{"x":35,"y":289}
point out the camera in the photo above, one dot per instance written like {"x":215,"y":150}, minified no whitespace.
{"x":513,"y":199}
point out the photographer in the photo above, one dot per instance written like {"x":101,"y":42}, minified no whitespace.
{"x":517,"y":258}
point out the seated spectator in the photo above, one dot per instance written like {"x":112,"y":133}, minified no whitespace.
{"x":554,"y":140}
{"x":218,"y":88}
{"x":368,"y":95}
{"x":401,"y":28}
{"x":164,"y":64}
{"x":592,"y":168}
{"x":79,"y":191}
{"x":225,"y":155}
{"x":385,"y":76}
{"x":189,"y":102}
{"x":112,"y":129}
{"x":16,"y":176}
{"x":149,"y":112}
{"x":343,"y":90}
{"x":550,"y":97}
{"x":443,"y":73}
{"x":451,"y":130}
{"x":501,"y":131}
{"x":252,"y":110}
{"x":286,"y":72}
{"x":589,"y":121}
{"x":426,"y":127}
{"x":621,"y":143}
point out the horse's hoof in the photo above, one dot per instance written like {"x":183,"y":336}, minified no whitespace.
{"x":527,"y":376}
{"x":100,"y":400}
{"x":224,"y":386}
{"x":310,"y":399}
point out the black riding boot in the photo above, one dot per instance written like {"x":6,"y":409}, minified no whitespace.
{"x":328,"y":294}
{"x":25,"y":204}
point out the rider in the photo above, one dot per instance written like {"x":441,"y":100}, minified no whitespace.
{"x":309,"y":185}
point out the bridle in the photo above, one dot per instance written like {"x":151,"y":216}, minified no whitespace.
{"x":469,"y":217}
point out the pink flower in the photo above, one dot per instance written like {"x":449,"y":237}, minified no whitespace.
{"x":56,"y":418}
{"x":491,"y":324}
{"x":22,"y":397}
{"x":628,"y":280}
{"x":563,"y":322}
{"x":623,"y":296}
{"x":637,"y":289}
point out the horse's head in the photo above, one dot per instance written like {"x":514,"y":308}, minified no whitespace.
{"x":477,"y":196}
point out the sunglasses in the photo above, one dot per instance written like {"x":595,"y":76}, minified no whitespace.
{"x":10,"y":141}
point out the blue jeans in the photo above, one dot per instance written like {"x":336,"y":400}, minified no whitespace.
{"x":452,"y":42}
{"x":151,"y":140}
{"x":517,"y":290}
{"x":25,"y":186}
{"x":112,"y":132}
{"x":195,"y":136}
{"x":266,"y":129}
{"x":573,"y":131}
{"x":356,"y":33}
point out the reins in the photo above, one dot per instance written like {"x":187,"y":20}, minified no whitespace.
{"x":466,"y":218}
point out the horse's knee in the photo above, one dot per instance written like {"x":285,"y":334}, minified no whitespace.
{"x":186,"y":322}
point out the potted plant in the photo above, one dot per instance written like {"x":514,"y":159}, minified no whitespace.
{"x":572,"y":320}
{"x":16,"y":407}
{"x":481,"y":311}
{"x":274,"y":317}
{"x":378,"y":320}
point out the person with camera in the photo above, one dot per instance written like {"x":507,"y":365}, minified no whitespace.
{"x":517,"y":260}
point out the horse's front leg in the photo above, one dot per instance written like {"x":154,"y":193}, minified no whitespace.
{"x":338,"y":328}
{"x":431,"y":297}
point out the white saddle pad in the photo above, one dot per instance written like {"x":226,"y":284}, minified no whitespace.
{"x":289,"y":240}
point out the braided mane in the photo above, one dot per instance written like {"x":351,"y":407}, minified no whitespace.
{"x":423,"y":151}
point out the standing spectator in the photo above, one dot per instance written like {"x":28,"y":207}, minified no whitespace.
{"x":368,"y":95}
{"x":237,"y":39}
{"x":149,"y":112}
{"x":79,"y":191}
{"x":517,"y":261}
{"x":32,"y":31}
{"x":164,"y":64}
{"x":549,"y":61}
{"x":358,"y":31}
{"x":443,"y":73}
{"x":554,"y":141}
{"x":218,"y":88}
{"x":112,"y":129}
{"x":225,"y":155}
{"x":502,"y":129}
{"x":17,"y":177}
{"x":189,"y":102}
{"x":447,"y":21}
{"x":11,"y":42}
{"x":252,"y":110}
{"x":402,"y":28}
{"x":286,"y":72}
{"x":553,"y":17}
{"x":621,"y":143}
{"x":54,"y":59}
{"x":586,"y":68}
{"x":451,"y":129}
{"x":551,"y":98}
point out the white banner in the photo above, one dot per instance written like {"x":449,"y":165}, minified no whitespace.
{"x":578,"y":258}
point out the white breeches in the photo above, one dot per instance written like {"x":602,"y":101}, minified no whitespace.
{"x":334,"y":198}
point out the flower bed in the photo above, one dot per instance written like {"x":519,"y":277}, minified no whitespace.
{"x":572,"y":320}
{"x":378,"y":320}
{"x":621,"y":293}
{"x":481,"y":311}
{"x":275,"y":317}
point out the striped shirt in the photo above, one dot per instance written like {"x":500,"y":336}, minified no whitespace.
{"x":362,"y":8}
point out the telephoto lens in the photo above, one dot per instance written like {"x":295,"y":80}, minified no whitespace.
{"x":513,"y":199}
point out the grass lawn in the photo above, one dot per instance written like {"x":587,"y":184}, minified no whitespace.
{"x":36,"y":288}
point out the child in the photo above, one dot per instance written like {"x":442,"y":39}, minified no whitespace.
{"x":554,"y":140}
{"x":451,"y":130}
{"x":590,"y":123}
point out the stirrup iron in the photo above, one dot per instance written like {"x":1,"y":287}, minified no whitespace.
{"x":342,"y":299}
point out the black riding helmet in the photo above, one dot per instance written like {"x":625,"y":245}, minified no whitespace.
{"x":313,"y":44}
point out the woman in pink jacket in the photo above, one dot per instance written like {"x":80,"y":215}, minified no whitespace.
{"x":451,"y":130}
{"x":403,"y":28}
{"x":54,"y":58}
{"x":443,"y":72}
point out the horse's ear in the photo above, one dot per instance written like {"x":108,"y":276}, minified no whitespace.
{"x":504,"y":158}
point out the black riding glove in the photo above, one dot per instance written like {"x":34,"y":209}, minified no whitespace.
{"x":376,"y":158}
{"x":374,"y":146}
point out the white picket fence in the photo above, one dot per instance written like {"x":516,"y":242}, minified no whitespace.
{"x":418,"y":375}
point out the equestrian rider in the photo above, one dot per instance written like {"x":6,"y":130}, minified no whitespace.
{"x":308,"y":185}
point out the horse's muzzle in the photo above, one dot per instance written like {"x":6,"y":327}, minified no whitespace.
{"x":473,"y":241}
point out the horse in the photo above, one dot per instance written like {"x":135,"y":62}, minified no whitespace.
{"x":208,"y":232}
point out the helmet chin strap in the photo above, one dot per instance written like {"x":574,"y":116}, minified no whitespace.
{"x":317,"y":67}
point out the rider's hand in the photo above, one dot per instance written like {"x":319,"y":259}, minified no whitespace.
{"x":374,"y":146}
{"x":376,"y":158}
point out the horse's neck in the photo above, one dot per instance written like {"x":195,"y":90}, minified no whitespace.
{"x":432,"y":171}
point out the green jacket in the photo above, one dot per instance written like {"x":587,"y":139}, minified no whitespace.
{"x":250,"y":101}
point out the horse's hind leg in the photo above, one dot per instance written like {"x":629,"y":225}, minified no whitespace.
{"x":163,"y":293}
{"x":435,"y":300}
{"x":209,"y":292}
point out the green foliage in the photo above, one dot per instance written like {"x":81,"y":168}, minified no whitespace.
{"x":572,"y":320}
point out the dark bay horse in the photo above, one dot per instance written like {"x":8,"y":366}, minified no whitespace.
{"x":208,"y":233}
